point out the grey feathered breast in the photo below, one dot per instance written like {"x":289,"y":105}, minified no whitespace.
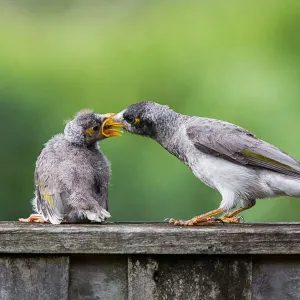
{"x":63,"y":170}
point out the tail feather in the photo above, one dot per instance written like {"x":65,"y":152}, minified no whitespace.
{"x":98,"y":216}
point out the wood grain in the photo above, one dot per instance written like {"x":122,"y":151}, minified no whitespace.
{"x":276,"y":277}
{"x":34,"y":277}
{"x":157,"y":238}
{"x":97,"y":277}
{"x":193,"y":277}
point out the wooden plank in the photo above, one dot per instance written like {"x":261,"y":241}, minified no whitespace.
{"x":94,"y":277}
{"x":191,"y":277}
{"x":150,"y":239}
{"x":34,"y":277}
{"x":276,"y":277}
{"x":142,"y":278}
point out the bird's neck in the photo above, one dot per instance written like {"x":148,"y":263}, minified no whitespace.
{"x":168,"y":127}
{"x":75,"y":141}
{"x":94,"y":146}
{"x":82,"y":144}
{"x":73,"y":134}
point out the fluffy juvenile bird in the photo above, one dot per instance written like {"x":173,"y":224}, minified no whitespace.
{"x":224,"y":156}
{"x":72,"y":174}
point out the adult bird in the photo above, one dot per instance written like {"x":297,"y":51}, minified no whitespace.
{"x":224,"y":156}
{"x":72,"y":174}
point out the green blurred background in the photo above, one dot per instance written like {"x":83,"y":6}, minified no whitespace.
{"x":237,"y":61}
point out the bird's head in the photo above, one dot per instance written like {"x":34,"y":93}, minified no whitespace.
{"x":146,"y":118}
{"x":87,"y":128}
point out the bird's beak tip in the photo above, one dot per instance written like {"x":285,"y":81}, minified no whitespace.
{"x":110,"y":127}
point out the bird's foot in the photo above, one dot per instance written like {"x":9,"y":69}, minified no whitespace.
{"x":204,"y":219}
{"x":33,"y":218}
{"x":228,"y":218}
{"x":194,"y":222}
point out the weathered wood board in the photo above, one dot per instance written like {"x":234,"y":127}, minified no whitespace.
{"x":34,"y":277}
{"x":97,"y":277}
{"x":149,"y":262}
{"x":158,"y":238}
{"x":276,"y":277}
{"x":191,"y":277}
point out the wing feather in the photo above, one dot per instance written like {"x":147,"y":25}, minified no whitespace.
{"x":49,"y":202}
{"x":238,"y":145}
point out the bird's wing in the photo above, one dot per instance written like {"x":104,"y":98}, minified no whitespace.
{"x":100,"y":189}
{"x":104,"y":200}
{"x":236,"y":144}
{"x":50,"y":201}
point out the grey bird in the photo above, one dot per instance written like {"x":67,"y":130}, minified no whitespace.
{"x":224,"y":156}
{"x":72,"y":174}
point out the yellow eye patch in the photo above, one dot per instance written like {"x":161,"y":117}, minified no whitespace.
{"x":92,"y":130}
{"x":137,"y":121}
{"x":89,"y":131}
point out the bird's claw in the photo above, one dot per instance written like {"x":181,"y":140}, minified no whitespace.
{"x":242,"y":219}
{"x":192,"y":222}
{"x":177,"y":222}
{"x":217,"y":220}
{"x":34,"y":218}
{"x":228,"y":219}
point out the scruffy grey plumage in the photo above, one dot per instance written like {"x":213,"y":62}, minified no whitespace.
{"x":72,"y":174}
{"x":224,"y":156}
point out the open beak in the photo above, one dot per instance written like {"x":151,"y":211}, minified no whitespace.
{"x":111,"y":128}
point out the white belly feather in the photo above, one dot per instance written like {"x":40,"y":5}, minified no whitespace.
{"x":234,"y":181}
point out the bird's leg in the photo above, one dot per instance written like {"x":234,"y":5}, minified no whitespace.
{"x":204,"y":219}
{"x":232,"y":217}
{"x":33,"y":218}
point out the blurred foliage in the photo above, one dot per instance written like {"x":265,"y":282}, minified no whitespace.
{"x":237,"y":61}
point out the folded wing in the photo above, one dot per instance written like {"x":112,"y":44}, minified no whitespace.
{"x":50,"y":201}
{"x":233,"y":143}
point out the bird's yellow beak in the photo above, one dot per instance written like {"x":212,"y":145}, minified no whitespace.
{"x":111,"y":128}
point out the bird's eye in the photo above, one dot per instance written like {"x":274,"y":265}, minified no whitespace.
{"x":133,"y":120}
{"x":130,"y":119}
{"x":92,"y":130}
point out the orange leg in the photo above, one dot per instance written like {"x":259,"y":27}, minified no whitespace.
{"x":232,"y":218}
{"x":33,"y":218}
{"x":198,"y":220}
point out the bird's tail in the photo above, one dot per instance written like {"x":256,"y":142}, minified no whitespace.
{"x":97,"y":215}
{"x":89,"y":207}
